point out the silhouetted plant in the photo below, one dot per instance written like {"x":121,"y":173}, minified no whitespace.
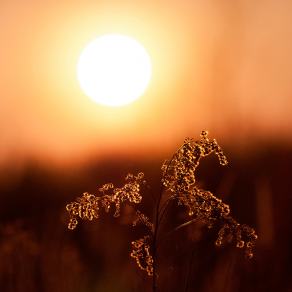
{"x":178,"y":183}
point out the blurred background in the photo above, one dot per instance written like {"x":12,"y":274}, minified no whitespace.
{"x":224,"y":66}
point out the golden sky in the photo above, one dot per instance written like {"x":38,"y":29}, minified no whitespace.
{"x":224,"y":66}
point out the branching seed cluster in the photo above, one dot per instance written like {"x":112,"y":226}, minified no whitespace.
{"x":241,"y":234}
{"x":141,"y":253}
{"x":179,"y":180}
{"x":178,"y":174}
{"x":143,"y":220}
{"x":87,"y":206}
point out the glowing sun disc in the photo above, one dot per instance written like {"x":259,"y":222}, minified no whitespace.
{"x":114,"y":70}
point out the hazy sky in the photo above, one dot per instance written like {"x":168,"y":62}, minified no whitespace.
{"x":224,"y":66}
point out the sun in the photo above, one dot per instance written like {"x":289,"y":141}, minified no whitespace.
{"x":114,"y":70}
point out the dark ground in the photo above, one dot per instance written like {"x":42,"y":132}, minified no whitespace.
{"x":39,"y":253}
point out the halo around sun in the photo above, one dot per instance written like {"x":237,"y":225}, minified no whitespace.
{"x":114,"y":70}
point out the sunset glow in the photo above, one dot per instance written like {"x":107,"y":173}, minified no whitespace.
{"x":197,"y":68}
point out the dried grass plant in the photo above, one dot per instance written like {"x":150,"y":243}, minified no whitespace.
{"x":178,"y":184}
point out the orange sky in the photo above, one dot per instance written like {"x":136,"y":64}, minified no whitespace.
{"x":224,"y":66}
